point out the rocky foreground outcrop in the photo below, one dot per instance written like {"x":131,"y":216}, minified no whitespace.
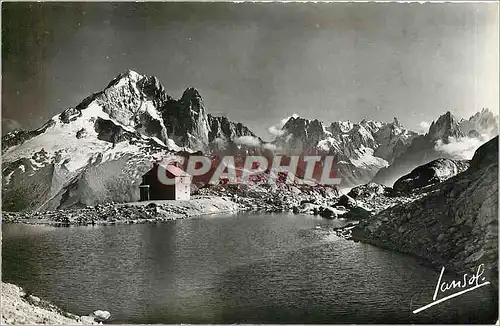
{"x":19,"y":307}
{"x":359,"y":203}
{"x":454,"y":225}
{"x":278,"y":197}
{"x":428,"y":174}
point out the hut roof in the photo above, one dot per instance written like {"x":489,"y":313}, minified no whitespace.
{"x":176,"y":171}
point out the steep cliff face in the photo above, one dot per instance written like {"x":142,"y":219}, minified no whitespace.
{"x":187,"y":120}
{"x":189,"y":125}
{"x":455,"y":225}
{"x":300,"y":135}
{"x":393,"y":140}
{"x":444,"y":127}
{"x":133,"y":100}
{"x":223,"y":129}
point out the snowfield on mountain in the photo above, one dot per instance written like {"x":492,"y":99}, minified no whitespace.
{"x":99,"y":150}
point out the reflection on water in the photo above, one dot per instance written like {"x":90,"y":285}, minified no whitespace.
{"x":249,"y":268}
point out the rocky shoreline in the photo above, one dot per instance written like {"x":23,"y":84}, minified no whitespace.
{"x":218,"y":199}
{"x":18,"y":307}
{"x":453,"y":224}
{"x":126,"y":213}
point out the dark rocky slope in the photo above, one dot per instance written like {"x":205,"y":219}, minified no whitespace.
{"x":428,"y":174}
{"x":455,"y":225}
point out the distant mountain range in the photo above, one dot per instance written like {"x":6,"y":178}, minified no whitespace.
{"x":447,"y":138}
{"x":98,"y":150}
{"x":382,"y":152}
{"x":361,"y":149}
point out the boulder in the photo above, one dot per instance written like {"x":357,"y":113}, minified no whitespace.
{"x":428,"y":174}
{"x":308,"y":201}
{"x":357,"y":213}
{"x":367,"y":191}
{"x":87,"y":320}
{"x":308,"y":208}
{"x":81,"y":133}
{"x":346,"y":201}
{"x":327,"y":212}
{"x":101,"y":315}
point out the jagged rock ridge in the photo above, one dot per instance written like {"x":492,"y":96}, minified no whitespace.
{"x":360,"y":149}
{"x":98,"y":150}
{"x":447,"y":138}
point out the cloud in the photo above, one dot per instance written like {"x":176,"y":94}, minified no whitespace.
{"x":424,"y":126}
{"x":270,"y":147}
{"x":10,"y":125}
{"x":219,"y":143}
{"x":248,"y":141}
{"x":461,"y":148}
{"x":276,"y":130}
{"x":255,"y":142}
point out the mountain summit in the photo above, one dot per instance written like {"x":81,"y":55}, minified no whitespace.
{"x":444,"y":127}
{"x":98,"y":150}
{"x":138,"y":104}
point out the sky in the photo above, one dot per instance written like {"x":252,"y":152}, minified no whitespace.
{"x":257,"y":63}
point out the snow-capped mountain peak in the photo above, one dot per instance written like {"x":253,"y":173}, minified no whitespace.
{"x":361,"y":148}
{"x":126,"y":77}
{"x":483,"y":122}
{"x":341,"y":127}
{"x":445,"y":126}
{"x":112,"y":136}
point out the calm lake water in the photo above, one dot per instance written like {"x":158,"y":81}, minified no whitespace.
{"x":248,"y":268}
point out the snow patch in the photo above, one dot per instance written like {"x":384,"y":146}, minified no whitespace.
{"x":173,"y":146}
{"x":8,"y":177}
{"x":328,"y":143}
{"x":270,"y":147}
{"x":159,"y":142}
{"x":365,"y":158}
